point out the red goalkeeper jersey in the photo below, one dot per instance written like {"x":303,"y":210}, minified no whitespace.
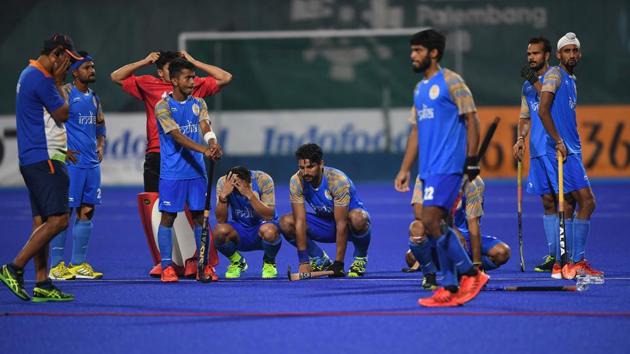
{"x":151,"y":90}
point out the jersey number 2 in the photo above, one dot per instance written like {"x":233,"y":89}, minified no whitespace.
{"x":428,"y":193}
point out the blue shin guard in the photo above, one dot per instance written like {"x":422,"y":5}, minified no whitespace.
{"x":165,"y":244}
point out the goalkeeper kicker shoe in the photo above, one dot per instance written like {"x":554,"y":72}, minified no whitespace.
{"x":61,"y":272}
{"x":14,"y":280}
{"x":84,"y":271}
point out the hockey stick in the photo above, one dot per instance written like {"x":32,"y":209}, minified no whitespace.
{"x":563,"y":249}
{"x":532,"y":288}
{"x":519,"y":197}
{"x":308,"y":275}
{"x":205,"y":230}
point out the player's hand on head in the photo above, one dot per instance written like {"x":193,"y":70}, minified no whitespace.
{"x":152,"y":57}
{"x":184,"y":54}
{"x":337,"y":269}
{"x":471,"y":167}
{"x":60,"y":69}
{"x":401,"y":183}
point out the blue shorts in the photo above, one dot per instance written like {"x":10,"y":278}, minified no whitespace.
{"x":85,"y":186}
{"x":575,"y":177}
{"x":321,"y":228}
{"x":441,"y":190}
{"x":538,"y":182}
{"x":47,"y":183}
{"x":249,"y":240}
{"x":487,"y":243}
{"x":176,"y":194}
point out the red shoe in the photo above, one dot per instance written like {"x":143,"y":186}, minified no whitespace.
{"x":584,"y":268}
{"x":556,"y":271}
{"x":210,"y":273}
{"x":156,"y":271}
{"x":190,"y":268}
{"x":169,"y":275}
{"x":440,"y":298}
{"x":470,"y":286}
{"x":569,"y":271}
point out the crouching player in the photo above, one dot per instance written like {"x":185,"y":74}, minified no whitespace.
{"x":338,"y":215}
{"x":183,"y":120}
{"x":250,"y":196}
{"x":490,"y":254}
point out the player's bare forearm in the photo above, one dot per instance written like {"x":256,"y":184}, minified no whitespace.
{"x":544,"y":112}
{"x":125,"y":71}
{"x":474,"y":229}
{"x":265,"y":211}
{"x":221,"y":76}
{"x":523,"y":127}
{"x":472,"y":133}
{"x":186,"y":142}
{"x":341,"y":237}
{"x":221,"y":211}
{"x":299,"y":216}
{"x":411,"y":151}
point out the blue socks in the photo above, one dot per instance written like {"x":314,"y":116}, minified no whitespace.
{"x":271,"y":250}
{"x":447,"y":267}
{"x":165,"y":244}
{"x":422,"y":253}
{"x":82,"y":232}
{"x":228,"y":248}
{"x":361,"y":242}
{"x":488,"y":264}
{"x":581,"y":229}
{"x":314,"y":251}
{"x":569,"y":237}
{"x":552,"y":227}
{"x":57,"y":247}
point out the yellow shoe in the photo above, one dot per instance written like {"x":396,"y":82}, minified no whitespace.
{"x":60,"y":272}
{"x":84,"y":271}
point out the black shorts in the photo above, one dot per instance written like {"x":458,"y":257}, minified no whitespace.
{"x":152,"y":172}
{"x":48,"y":183}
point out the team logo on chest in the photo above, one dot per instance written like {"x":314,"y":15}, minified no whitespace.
{"x":195,"y":109}
{"x":434,"y":92}
{"x":328,"y":195}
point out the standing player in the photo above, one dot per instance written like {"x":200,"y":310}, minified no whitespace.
{"x":338,"y":215}
{"x":41,"y":110}
{"x":446,"y":137}
{"x":467,"y":221}
{"x":538,"y":183}
{"x":251,"y":198}
{"x":86,"y":139}
{"x":557,"y":112}
{"x":150,"y":90}
{"x":183,"y":121}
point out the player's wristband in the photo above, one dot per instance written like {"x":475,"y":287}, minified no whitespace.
{"x":303,"y":256}
{"x":101,"y":130}
{"x":209,"y":136}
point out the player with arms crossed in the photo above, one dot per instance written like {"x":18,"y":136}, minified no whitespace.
{"x":446,"y":137}
{"x":41,"y":110}
{"x":250,"y":196}
{"x":557,"y":111}
{"x":492,"y":254}
{"x":339,"y":215}
{"x":86,"y":139}
{"x":183,"y":121}
{"x":538,"y":182}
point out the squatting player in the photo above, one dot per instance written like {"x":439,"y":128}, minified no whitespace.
{"x":557,"y":112}
{"x":467,"y":221}
{"x":338,"y":215}
{"x":151,"y":89}
{"x":86,"y":138}
{"x":250,"y":197}
{"x":446,"y":137}
{"x":538,"y":183}
{"x":183,"y":121}
{"x":41,"y":110}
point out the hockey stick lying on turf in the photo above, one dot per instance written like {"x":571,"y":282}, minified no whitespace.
{"x":205,"y":232}
{"x":532,"y":288}
{"x":308,"y":275}
{"x":519,"y":197}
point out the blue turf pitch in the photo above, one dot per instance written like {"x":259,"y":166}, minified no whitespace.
{"x":130,"y":312}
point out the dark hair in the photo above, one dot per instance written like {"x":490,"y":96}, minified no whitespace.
{"x":165,"y":58}
{"x":541,"y":40}
{"x":242,"y":172}
{"x":83,"y":53}
{"x":310,"y":152}
{"x":430,"y":39}
{"x":179,"y":64}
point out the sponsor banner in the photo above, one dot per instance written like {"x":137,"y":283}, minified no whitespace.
{"x":604,"y":131}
